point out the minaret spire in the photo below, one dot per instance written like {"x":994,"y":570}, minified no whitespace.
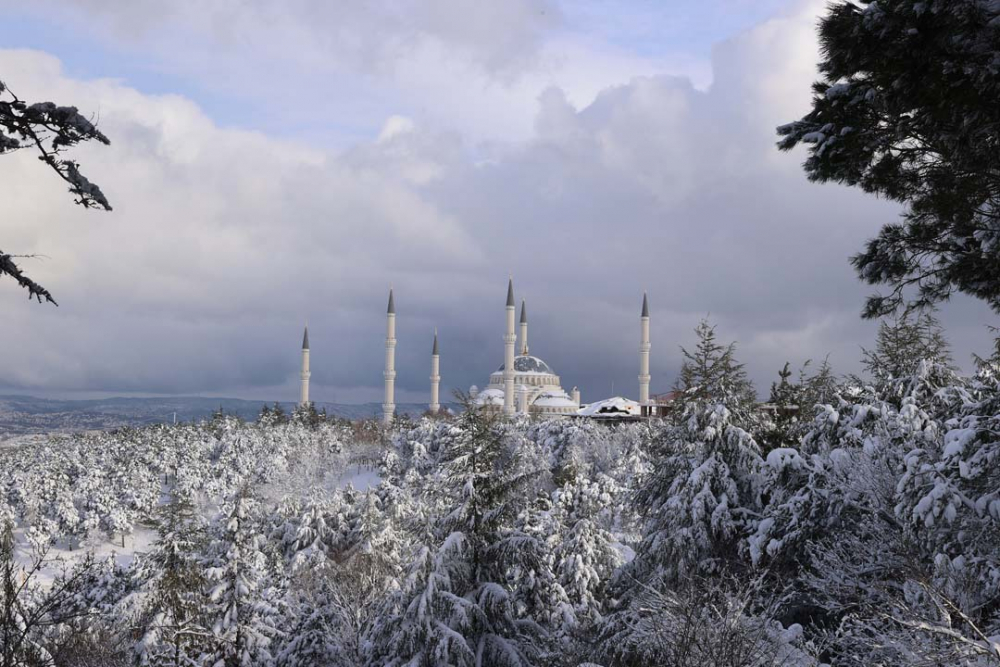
{"x":524,"y":329}
{"x":389,"y":406}
{"x":435,"y":405}
{"x":304,"y":392}
{"x":508,"y":348}
{"x":644,"y":346}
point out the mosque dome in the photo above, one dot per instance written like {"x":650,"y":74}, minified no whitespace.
{"x":535,"y":378}
{"x":526,"y":363}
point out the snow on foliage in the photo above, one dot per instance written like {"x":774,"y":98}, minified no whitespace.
{"x":871,"y":535}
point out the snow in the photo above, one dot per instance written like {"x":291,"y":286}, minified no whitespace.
{"x":625,"y":552}
{"x":838,"y":90}
{"x":611,"y":406}
{"x":359,"y":477}
{"x":784,"y":457}
{"x":62,"y":556}
{"x":756,"y":541}
{"x":551,"y":399}
{"x":610,"y":508}
{"x":956,"y":440}
{"x":490,"y":396}
{"x":527,"y":364}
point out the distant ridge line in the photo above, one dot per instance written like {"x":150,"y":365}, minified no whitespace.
{"x":22,"y":414}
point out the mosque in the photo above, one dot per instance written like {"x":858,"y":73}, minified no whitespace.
{"x":522,"y":384}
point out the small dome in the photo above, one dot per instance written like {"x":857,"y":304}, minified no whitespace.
{"x":490,"y":396}
{"x":528,"y":364}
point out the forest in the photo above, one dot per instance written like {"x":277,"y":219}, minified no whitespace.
{"x":848,"y":521}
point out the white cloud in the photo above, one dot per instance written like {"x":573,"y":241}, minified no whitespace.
{"x":215,"y":232}
{"x":309,"y":67}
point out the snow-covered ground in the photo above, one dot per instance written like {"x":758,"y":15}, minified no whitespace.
{"x":360,"y":477}
{"x":63,"y":554}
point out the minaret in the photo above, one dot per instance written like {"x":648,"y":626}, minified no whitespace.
{"x":435,"y":376}
{"x":524,"y":329}
{"x":389,"y":406}
{"x":508,"y":353}
{"x":644,"y":346}
{"x":304,"y":394}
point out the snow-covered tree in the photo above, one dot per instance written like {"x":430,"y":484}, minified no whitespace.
{"x":710,"y":374}
{"x":172,"y":610}
{"x":701,"y":499}
{"x":335,"y":600}
{"x":37,"y":616}
{"x":454,"y":606}
{"x":783,"y":405}
{"x":587,"y":554}
{"x":909,"y":348}
{"x":818,"y":388}
{"x":947,"y":498}
{"x":315,"y":632}
{"x":49,"y":129}
{"x":906,"y":108}
{"x":699,"y":504}
{"x":243,"y":612}
{"x":707,"y":622}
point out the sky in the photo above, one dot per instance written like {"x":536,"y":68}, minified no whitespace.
{"x":281,"y":162}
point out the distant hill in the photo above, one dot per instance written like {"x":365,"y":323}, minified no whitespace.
{"x":21,"y":415}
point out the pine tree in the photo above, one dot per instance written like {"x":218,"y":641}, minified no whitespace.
{"x":336,"y":599}
{"x":278,"y":414}
{"x":905,"y":341}
{"x":242,"y":602}
{"x":455,"y":607}
{"x":910,"y":353}
{"x":265,"y":418}
{"x":994,"y":358}
{"x":783,"y":392}
{"x":699,"y":505}
{"x":947,"y":500}
{"x":313,"y":634}
{"x":585,"y":555}
{"x":172,"y":618}
{"x":701,"y":498}
{"x":51,"y":129}
{"x":817,"y":389}
{"x":307,"y":415}
{"x":710,"y":374}
{"x":784,"y":405}
{"x":907,"y":109}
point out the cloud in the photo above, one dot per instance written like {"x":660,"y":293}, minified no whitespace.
{"x":224,"y":242}
{"x":367,"y":35}
{"x":212,"y":229}
{"x":331,"y":71}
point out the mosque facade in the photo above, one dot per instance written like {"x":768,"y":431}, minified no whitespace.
{"x":523,"y":384}
{"x":531,"y":387}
